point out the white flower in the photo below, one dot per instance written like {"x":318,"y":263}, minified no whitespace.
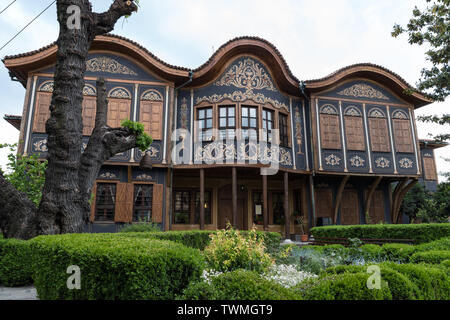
{"x":207,"y":275}
{"x":287,"y":275}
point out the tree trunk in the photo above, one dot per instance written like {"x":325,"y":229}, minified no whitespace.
{"x":64,"y":207}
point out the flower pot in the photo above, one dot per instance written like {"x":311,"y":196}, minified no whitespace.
{"x":305,"y":238}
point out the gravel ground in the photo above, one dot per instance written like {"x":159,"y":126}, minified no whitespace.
{"x":23,"y":293}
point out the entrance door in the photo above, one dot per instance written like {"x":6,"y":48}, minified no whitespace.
{"x":226,"y":208}
{"x":350,"y":208}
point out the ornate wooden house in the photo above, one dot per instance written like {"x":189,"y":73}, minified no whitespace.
{"x":240,"y":139}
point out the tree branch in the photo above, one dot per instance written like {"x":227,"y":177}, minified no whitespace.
{"x":104,"y":22}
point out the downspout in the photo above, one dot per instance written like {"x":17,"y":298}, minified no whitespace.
{"x":302,"y":87}
{"x":174,"y":124}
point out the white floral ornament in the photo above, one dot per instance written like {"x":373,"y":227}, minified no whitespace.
{"x":406,"y":163}
{"x":357,"y":162}
{"x":333,"y":160}
{"x":383,"y":163}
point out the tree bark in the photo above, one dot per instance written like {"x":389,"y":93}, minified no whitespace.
{"x":64,"y":207}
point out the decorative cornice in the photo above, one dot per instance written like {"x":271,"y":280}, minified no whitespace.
{"x":352,"y":111}
{"x":108,"y":65}
{"x":119,"y":93}
{"x":151,"y":95}
{"x":400,"y":115}
{"x":360,"y":90}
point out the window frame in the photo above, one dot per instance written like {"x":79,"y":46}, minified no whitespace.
{"x":136,"y":184}
{"x":105,"y":207}
{"x":203,"y":130}
{"x":192,"y":206}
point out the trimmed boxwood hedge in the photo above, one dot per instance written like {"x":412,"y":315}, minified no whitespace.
{"x":113,"y":267}
{"x":200,"y":239}
{"x":238,"y":285}
{"x":15,"y":263}
{"x":432,"y":257}
{"x":421,"y":233}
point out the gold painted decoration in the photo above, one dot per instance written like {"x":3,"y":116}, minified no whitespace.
{"x":406,"y":163}
{"x":89,"y":90}
{"x":298,"y":130}
{"x":399,"y":114}
{"x":357,"y":162}
{"x":363,"y":91}
{"x":41,"y":145}
{"x":108,"y":175}
{"x":376,"y":113}
{"x":151,"y":95}
{"x":108,"y":65}
{"x":428,"y":155}
{"x":144,"y":177}
{"x":352,"y":111}
{"x":329,"y":109}
{"x":239,"y":96}
{"x":119,"y":93}
{"x":247,"y":74}
{"x":47,"y":86}
{"x":383,"y":163}
{"x":184,"y":114}
{"x":333,"y":160}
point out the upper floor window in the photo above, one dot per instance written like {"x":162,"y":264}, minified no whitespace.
{"x":402,"y":132}
{"x":151,"y":113}
{"x":378,"y":128}
{"x":205,"y":123}
{"x":283,"y":125}
{"x":227,"y":122}
{"x":267,"y":125}
{"x":354,"y":129}
{"x":330,"y":133}
{"x":249,"y":122}
{"x":119,"y":106}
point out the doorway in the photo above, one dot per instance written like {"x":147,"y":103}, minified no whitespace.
{"x":225,"y":213}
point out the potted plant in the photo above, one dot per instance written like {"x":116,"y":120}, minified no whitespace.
{"x":302,"y":223}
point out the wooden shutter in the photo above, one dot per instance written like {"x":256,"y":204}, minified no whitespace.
{"x":118,"y":110}
{"x":151,"y":115}
{"x":354,"y":133}
{"x":403,"y":136}
{"x":42,"y":112}
{"x":350,"y":208}
{"x":94,"y":200}
{"x":376,"y":210}
{"x":89,"y":111}
{"x":379,"y":135}
{"x":324,"y":200}
{"x":157,"y":205}
{"x":124,"y":203}
{"x":429,"y":168}
{"x":330,"y":131}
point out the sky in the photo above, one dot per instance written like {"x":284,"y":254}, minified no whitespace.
{"x":316,"y":37}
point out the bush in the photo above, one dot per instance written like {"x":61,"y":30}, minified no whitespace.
{"x":421,"y":233}
{"x":238,"y":285}
{"x":397,"y":252}
{"x":141,"y":227}
{"x":432,"y":282}
{"x":432,"y":257}
{"x":200,"y":239}
{"x":345,"y":286}
{"x":371,"y":252}
{"x":400,"y":286}
{"x":229,"y":250}
{"x":441,"y":244}
{"x":113,"y":267}
{"x":15,"y":263}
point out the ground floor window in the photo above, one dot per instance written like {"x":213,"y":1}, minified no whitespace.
{"x":105,"y":202}
{"x":143,"y":196}
{"x":187,"y":207}
{"x":278,"y":208}
{"x":258,"y":217}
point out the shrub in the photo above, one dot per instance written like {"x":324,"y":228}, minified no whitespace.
{"x":421,"y":233}
{"x":141,"y":227}
{"x":345,"y":286}
{"x":400,"y":286}
{"x":113,"y":267}
{"x":229,"y":250}
{"x":397,"y":252}
{"x":441,"y":244}
{"x":432,"y":257}
{"x":432,"y":282}
{"x":238,"y":285}
{"x":313,"y":260}
{"x":15,"y":263}
{"x":371,"y":252}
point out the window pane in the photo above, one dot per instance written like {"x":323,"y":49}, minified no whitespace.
{"x":209,"y":113}
{"x":231,"y":122}
{"x":231,"y":111}
{"x":253,"y":123}
{"x":209,"y":123}
{"x":223,"y":122}
{"x":253,"y":112}
{"x":245,"y":122}
{"x":201,"y":114}
{"x":244,"y":111}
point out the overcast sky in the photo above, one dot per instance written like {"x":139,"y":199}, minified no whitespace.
{"x":315,"y":37}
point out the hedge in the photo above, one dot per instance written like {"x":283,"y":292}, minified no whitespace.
{"x":432,"y":257}
{"x":200,"y":239}
{"x":441,"y":244}
{"x":113,"y":267}
{"x":345,"y":286}
{"x":432,"y":282}
{"x":399,"y":285}
{"x":421,"y":233}
{"x":15,"y":263}
{"x":238,"y":285}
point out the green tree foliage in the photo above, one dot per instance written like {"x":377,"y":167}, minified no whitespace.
{"x":143,"y":140}
{"x":432,"y":27}
{"x":437,"y":205}
{"x":415,"y":200}
{"x":26,"y":173}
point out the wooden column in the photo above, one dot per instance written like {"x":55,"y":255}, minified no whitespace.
{"x":337,"y":203}
{"x":234,"y":196}
{"x":368,"y":200}
{"x":287,"y":213}
{"x":202,"y":199}
{"x":265,"y":204}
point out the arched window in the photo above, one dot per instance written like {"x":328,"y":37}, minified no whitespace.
{"x":354,"y":129}
{"x":378,"y":128}
{"x":330,"y":133}
{"x":119,"y":106}
{"x":151,"y":113}
{"x":402,"y":131}
{"x":89,"y":109}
